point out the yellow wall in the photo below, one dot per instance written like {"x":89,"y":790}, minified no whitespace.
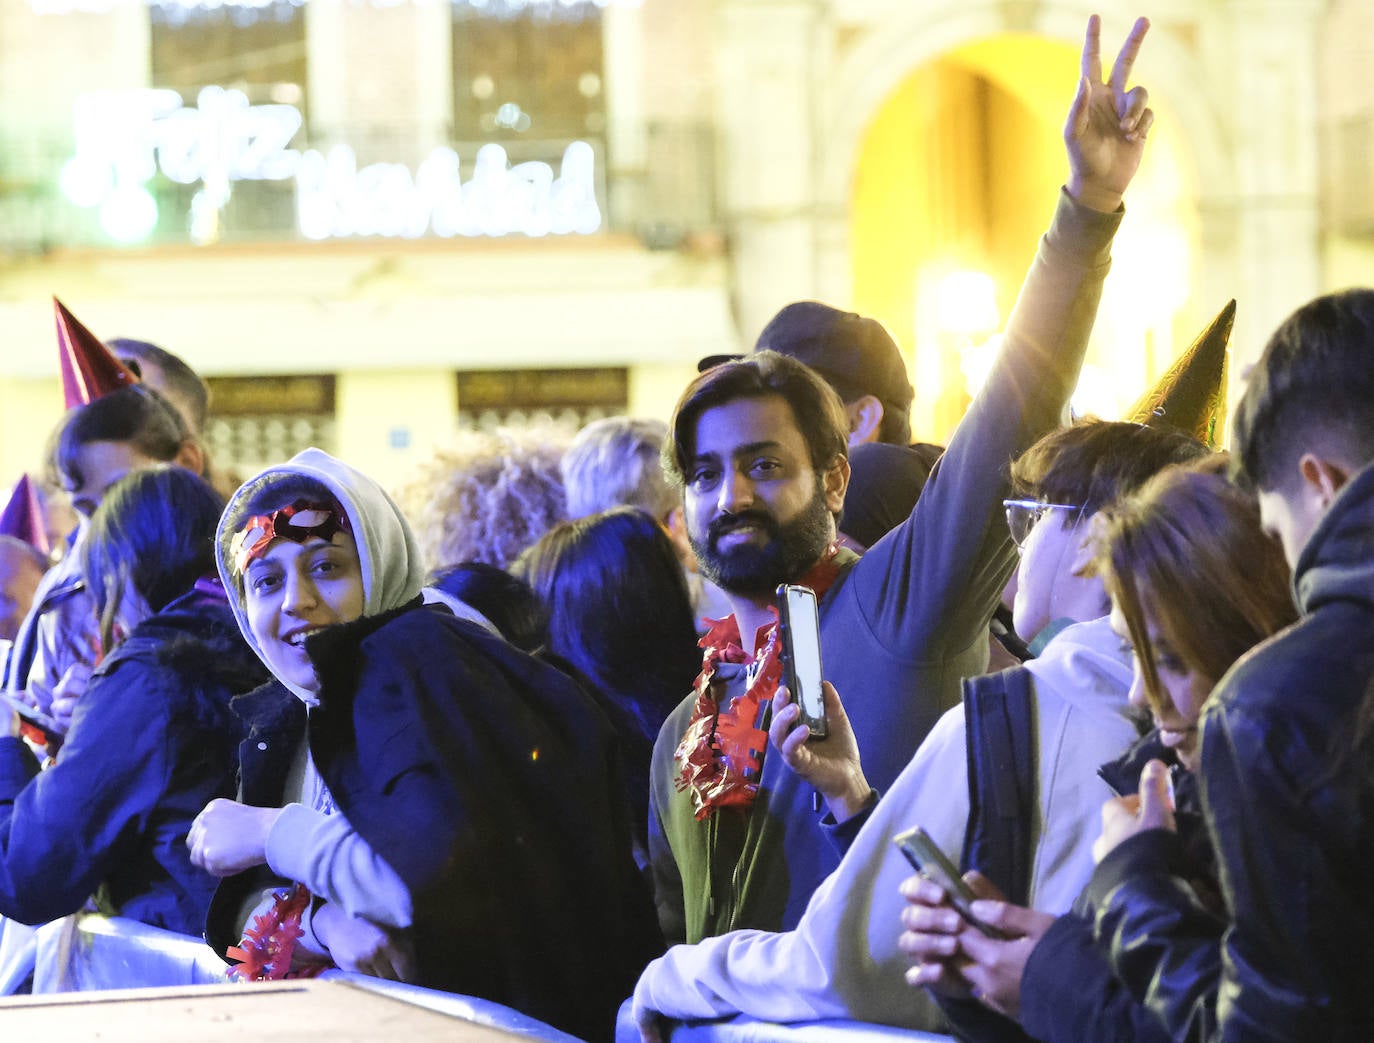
{"x":29,"y":410}
{"x":371,"y":405}
{"x":654,"y":390}
{"x":959,"y":170}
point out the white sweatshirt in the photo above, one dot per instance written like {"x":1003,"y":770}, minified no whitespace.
{"x":842,"y":960}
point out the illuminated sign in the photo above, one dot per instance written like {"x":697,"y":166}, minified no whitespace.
{"x":125,"y":138}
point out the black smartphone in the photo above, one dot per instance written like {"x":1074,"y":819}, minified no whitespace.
{"x":932,"y":863}
{"x":32,"y":715}
{"x":801,"y":654}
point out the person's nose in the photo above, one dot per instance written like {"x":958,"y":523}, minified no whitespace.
{"x":736,"y":492}
{"x":1135,"y":695}
{"x":298,"y":594}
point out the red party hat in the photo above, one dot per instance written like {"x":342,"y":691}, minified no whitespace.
{"x":23,"y":517}
{"x":89,"y":371}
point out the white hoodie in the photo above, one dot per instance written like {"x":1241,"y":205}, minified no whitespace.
{"x":842,"y":960}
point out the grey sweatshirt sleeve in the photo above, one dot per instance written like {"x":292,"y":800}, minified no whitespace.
{"x":328,"y":856}
{"x":930,"y":586}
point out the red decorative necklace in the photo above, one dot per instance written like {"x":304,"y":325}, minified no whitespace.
{"x":720,"y":757}
{"x":268,"y":945}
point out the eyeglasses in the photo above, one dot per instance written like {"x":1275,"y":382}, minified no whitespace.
{"x":1023,"y":514}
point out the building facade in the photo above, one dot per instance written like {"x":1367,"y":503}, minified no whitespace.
{"x":388,"y":207}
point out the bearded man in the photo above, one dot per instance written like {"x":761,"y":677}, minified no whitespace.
{"x":758,"y":447}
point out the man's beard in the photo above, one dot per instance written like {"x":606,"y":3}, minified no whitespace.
{"x":755,"y":570}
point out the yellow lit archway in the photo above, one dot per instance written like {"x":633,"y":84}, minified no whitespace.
{"x":956,"y":179}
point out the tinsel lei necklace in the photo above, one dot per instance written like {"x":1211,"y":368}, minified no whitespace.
{"x":720,"y":757}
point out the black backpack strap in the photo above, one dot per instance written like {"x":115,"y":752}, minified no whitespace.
{"x":999,"y":720}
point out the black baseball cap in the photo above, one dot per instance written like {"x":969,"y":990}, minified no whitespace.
{"x":855,"y":355}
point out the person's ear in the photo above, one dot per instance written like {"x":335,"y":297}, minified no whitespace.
{"x":1322,"y":479}
{"x":835,"y":481}
{"x":1089,"y":530}
{"x":191,"y":456}
{"x":676,"y":524}
{"x":865,"y":418}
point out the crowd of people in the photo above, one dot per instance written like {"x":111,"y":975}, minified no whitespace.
{"x":522,"y":732}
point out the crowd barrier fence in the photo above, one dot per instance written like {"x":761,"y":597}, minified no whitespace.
{"x":88,"y":951}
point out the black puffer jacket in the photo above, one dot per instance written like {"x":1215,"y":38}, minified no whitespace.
{"x":1069,"y":992}
{"x":151,"y":743}
{"x":1286,"y":806}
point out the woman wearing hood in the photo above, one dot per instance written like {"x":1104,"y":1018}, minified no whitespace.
{"x":414,"y":781}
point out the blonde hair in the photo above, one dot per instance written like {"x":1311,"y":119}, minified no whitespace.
{"x":1188,"y":552}
{"x":488,"y":495}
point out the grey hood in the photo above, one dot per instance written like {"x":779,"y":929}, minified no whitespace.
{"x":393,"y":571}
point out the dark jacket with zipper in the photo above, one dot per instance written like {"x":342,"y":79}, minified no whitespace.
{"x":1286,"y":798}
{"x":1069,"y":992}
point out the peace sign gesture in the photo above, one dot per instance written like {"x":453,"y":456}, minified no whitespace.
{"x":1107,"y":124}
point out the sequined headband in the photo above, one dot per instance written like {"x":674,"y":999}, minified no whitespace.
{"x":299,"y":522}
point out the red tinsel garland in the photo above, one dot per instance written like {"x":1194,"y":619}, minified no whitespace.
{"x":721,"y":753}
{"x":268,"y":945}
{"x":720,"y":757}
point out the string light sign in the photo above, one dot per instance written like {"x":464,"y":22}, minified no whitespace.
{"x":126,"y":138}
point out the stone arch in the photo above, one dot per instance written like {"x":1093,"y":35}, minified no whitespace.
{"x":917,"y":33}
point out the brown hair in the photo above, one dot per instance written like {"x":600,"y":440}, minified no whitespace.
{"x":817,"y":408}
{"x":1092,"y":462}
{"x":1188,"y":552}
{"x":1313,"y":386}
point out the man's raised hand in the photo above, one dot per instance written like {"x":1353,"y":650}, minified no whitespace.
{"x":1107,"y":124}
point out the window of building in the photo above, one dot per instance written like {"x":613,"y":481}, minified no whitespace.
{"x":527,"y":71}
{"x":492,"y":398}
{"x":259,"y":52}
{"x":259,"y":421}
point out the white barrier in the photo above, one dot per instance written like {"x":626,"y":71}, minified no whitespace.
{"x":89,"y":952}
{"x":741,"y":1029}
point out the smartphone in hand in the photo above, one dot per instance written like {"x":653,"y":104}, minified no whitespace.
{"x":932,"y":863}
{"x":801,"y":654}
{"x":32,"y":715}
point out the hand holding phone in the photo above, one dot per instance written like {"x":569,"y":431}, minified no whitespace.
{"x":799,"y":619}
{"x":932,"y":863}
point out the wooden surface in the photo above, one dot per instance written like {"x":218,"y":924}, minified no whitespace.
{"x":295,"y":1012}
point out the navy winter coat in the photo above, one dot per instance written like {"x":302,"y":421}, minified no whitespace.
{"x":152,"y":741}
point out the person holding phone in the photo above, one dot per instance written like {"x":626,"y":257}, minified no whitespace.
{"x":1195,"y":583}
{"x":842,"y":959}
{"x":759,"y":448}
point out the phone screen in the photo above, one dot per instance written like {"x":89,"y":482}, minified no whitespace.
{"x":801,"y":633}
